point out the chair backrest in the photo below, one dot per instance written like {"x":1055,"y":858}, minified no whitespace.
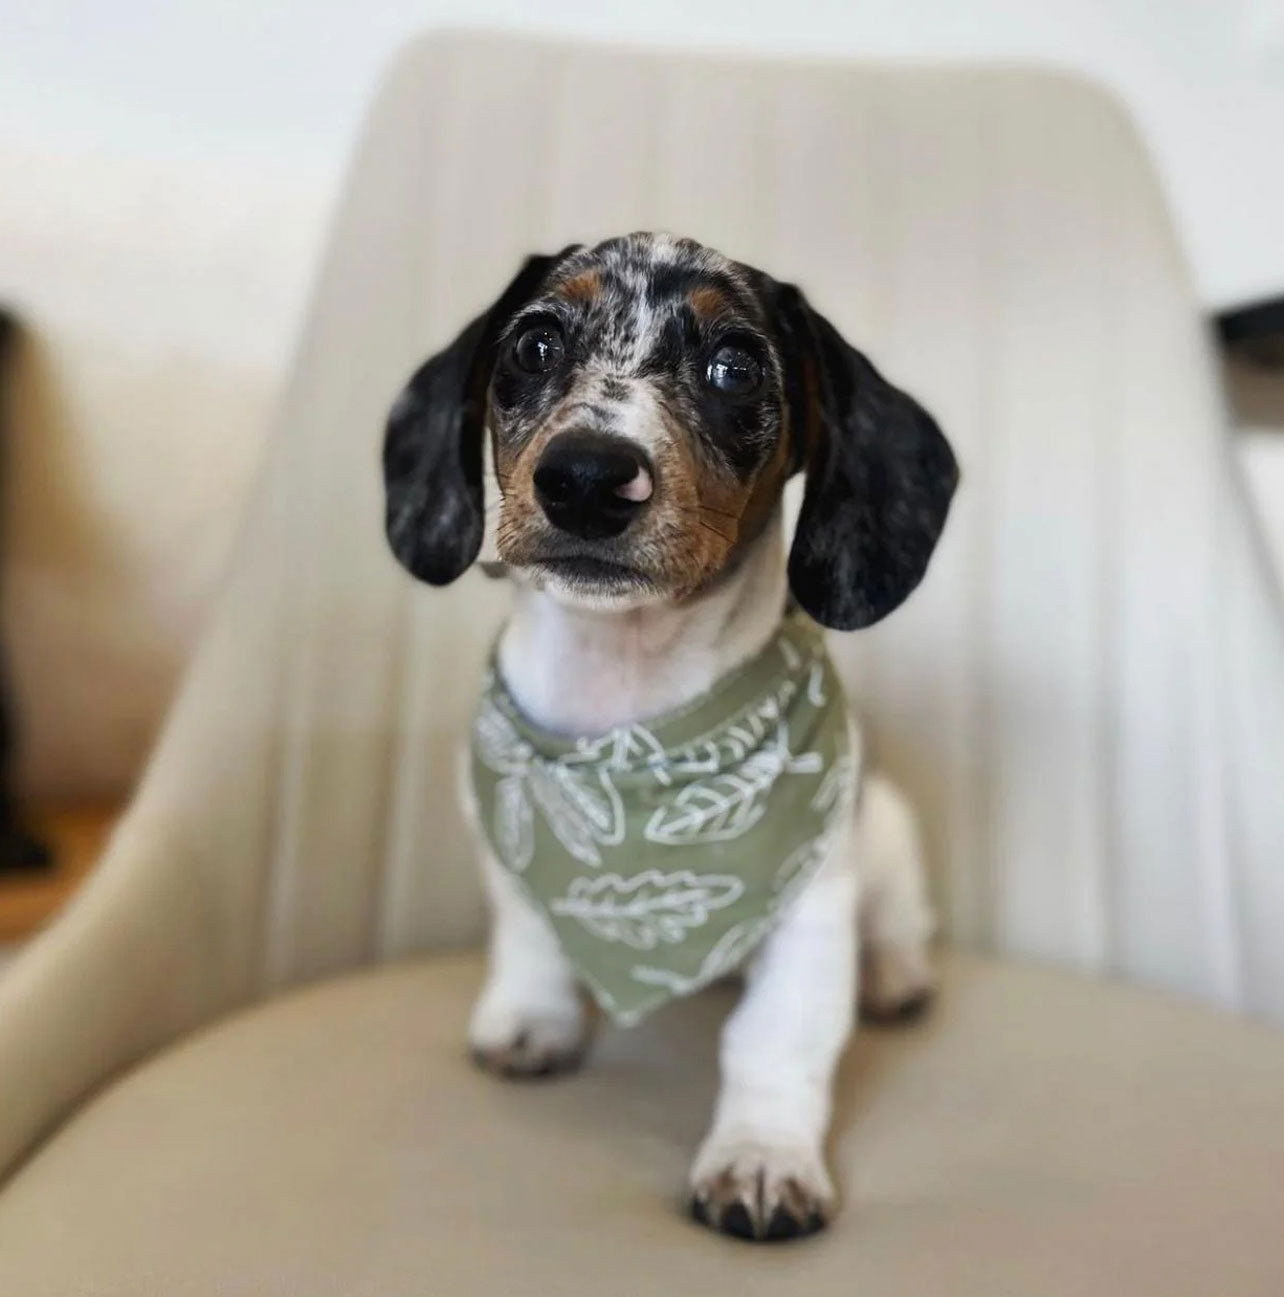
{"x":1066,"y":696}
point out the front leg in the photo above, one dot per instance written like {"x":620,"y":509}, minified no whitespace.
{"x":530,"y":1018}
{"x":760,"y":1172}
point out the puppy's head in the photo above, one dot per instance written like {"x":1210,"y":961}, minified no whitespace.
{"x":647,"y":400}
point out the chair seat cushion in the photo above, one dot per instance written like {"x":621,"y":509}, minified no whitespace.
{"x":1037,"y":1134}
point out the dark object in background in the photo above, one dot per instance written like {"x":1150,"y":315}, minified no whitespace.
{"x":18,"y":850}
{"x":1255,"y":332}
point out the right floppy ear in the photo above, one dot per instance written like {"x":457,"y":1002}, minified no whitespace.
{"x":880,"y":474}
{"x":432,"y":449}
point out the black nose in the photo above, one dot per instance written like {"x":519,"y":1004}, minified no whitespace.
{"x":579,"y":482}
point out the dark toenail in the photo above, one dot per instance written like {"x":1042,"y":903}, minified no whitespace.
{"x":915,"y":1007}
{"x":783,"y":1224}
{"x":814,"y":1222}
{"x":899,"y":1015}
{"x":736,"y":1220}
{"x":700,"y":1211}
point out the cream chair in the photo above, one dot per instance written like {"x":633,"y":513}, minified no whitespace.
{"x":1086,"y":698}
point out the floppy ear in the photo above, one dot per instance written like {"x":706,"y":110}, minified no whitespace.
{"x":432,"y":450}
{"x":879,"y":475}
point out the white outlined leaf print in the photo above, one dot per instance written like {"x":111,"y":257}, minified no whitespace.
{"x":514,"y":827}
{"x":729,"y":804}
{"x":563,"y":813}
{"x":715,"y":810}
{"x":798,"y":867}
{"x":620,"y":748}
{"x":816,"y":684}
{"x":594,"y":797}
{"x":732,"y":949}
{"x":649,"y":908}
{"x":575,"y":793}
{"x":633,"y":744}
{"x":737,"y":739}
{"x":498,"y":744}
{"x":836,"y":786}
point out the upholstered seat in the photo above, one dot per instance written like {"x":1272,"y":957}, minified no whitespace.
{"x":1038,"y":1134}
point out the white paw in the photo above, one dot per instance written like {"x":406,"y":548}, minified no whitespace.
{"x":760,"y":1190}
{"x":896,"y":983}
{"x":517,"y":1040}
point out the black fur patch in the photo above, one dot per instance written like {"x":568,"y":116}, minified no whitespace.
{"x":880,"y":475}
{"x":432,"y":455}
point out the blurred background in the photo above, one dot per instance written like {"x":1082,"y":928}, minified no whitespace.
{"x":167,"y":173}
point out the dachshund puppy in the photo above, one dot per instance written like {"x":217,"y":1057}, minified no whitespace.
{"x":664,"y":776}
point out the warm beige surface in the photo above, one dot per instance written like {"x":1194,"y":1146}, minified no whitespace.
{"x":1041,"y":1136}
{"x":76,"y":835}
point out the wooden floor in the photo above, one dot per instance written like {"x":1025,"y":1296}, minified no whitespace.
{"x":76,"y":835}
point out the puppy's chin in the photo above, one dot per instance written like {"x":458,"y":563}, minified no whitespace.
{"x":592,"y":584}
{"x":604,"y":600}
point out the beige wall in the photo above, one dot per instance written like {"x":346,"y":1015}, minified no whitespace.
{"x":158,"y":300}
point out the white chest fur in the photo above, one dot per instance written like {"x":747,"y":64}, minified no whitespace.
{"x":579,"y":671}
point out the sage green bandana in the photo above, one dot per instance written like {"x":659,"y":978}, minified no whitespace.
{"x":662,"y":854}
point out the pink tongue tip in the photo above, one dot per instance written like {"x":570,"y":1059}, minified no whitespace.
{"x":637,"y":488}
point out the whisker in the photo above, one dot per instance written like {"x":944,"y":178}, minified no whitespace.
{"x":717,"y":513}
{"x":700,"y":510}
{"x":721,"y":535}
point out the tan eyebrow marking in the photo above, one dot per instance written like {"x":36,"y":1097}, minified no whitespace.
{"x":583,"y":287}
{"x":707,"y":302}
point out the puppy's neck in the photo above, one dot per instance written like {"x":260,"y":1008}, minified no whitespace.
{"x":576,"y":671}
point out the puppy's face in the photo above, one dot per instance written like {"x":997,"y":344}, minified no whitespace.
{"x":647,"y":400}
{"x":639,"y":424}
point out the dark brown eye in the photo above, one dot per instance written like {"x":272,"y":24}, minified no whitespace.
{"x":734,"y":370}
{"x":539,"y":348}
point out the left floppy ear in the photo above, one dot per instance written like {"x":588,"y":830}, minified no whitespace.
{"x":432,"y":450}
{"x":880,"y":475}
